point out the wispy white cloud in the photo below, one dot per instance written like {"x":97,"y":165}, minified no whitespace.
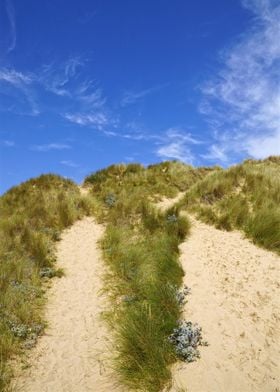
{"x":243,"y":102}
{"x":183,"y":135}
{"x":12,"y":20}
{"x":56,"y":77}
{"x":131,"y":97}
{"x":216,"y":153}
{"x":19,"y":85}
{"x":15,"y":78}
{"x":69,"y":164}
{"x":176,"y":150}
{"x":136,"y":131}
{"x":50,"y":146}
{"x":8,"y":143}
{"x":97,"y":120}
{"x":65,"y":80}
{"x":176,"y":144}
{"x":91,"y":95}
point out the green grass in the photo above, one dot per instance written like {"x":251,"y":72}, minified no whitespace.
{"x":143,"y":259}
{"x":32,"y":217}
{"x":245,"y":196}
{"x":164,"y":179}
{"x":141,"y":247}
{"x":144,"y":266}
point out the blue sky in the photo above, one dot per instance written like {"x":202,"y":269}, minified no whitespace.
{"x":84,"y":84}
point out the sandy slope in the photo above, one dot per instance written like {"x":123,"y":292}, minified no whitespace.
{"x":73,"y":354}
{"x":235,"y":299}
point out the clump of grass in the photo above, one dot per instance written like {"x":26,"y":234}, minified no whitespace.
{"x":32,"y":216}
{"x":264,"y":228}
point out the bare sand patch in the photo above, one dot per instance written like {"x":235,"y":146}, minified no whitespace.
{"x":235,"y":299}
{"x":74,"y":354}
{"x":166,"y":203}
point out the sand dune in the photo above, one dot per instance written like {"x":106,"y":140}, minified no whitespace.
{"x":73,"y":355}
{"x":235,"y":299}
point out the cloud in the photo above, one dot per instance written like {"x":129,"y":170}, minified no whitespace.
{"x":89,"y":94}
{"x":175,"y":144}
{"x":56,"y":78}
{"x":176,"y":150}
{"x":15,"y":78}
{"x":66,"y":80}
{"x":216,"y":153}
{"x":97,"y":120}
{"x":12,"y":20}
{"x":131,"y":97}
{"x":18,"y":86}
{"x":8,"y":143}
{"x":49,"y":147}
{"x":63,"y":80}
{"x":69,"y":164}
{"x":242,"y":103}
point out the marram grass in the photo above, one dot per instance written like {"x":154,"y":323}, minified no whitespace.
{"x":245,"y":197}
{"x":141,"y":247}
{"x":32,"y":217}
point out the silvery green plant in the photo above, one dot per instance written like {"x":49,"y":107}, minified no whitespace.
{"x":172,"y":218}
{"x":47,"y":272}
{"x":19,"y":330}
{"x":129,"y":298}
{"x":186,"y":338}
{"x":27,"y":290}
{"x":110,"y":199}
{"x":182,"y":294}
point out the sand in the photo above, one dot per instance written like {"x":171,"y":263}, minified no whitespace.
{"x":166,"y":203}
{"x":74,"y":353}
{"x":235,"y":299}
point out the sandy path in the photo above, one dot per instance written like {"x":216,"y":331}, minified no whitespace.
{"x":166,"y":203}
{"x":73,"y":354}
{"x":235,"y":299}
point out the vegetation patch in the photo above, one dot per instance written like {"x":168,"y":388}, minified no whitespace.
{"x":186,"y":338}
{"x":245,"y":196}
{"x":32,"y":216}
{"x":141,"y":247}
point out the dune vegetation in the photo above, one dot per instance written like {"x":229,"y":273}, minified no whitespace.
{"x":32,"y":216}
{"x":245,"y":197}
{"x":140,"y":247}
